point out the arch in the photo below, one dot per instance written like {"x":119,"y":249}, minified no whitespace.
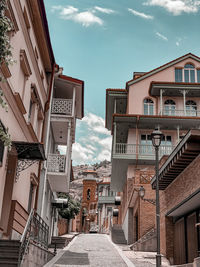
{"x":169,"y":107}
{"x":189,"y":73}
{"x":148,"y":106}
{"x":191,"y":108}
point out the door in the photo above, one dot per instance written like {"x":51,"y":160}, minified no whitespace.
{"x":179,"y":242}
{"x":191,"y":237}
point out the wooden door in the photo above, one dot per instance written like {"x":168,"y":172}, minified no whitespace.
{"x":191,"y":237}
{"x":179,"y":242}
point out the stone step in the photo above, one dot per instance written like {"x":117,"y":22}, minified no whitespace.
{"x":8,"y":264}
{"x":9,"y":243}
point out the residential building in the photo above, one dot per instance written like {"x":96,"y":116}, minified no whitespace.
{"x":26,"y":87}
{"x":166,"y":98}
{"x":106,"y":204}
{"x":179,"y":202}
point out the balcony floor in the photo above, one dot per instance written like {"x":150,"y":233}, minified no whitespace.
{"x":58,"y":182}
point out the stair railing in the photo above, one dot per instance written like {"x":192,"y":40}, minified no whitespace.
{"x":37,"y":231}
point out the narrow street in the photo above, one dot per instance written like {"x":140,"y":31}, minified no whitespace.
{"x":90,"y":250}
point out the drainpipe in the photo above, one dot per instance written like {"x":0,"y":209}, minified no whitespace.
{"x":46,"y":109}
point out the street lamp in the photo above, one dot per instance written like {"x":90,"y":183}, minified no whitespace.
{"x":156,"y":137}
{"x":141,"y":193}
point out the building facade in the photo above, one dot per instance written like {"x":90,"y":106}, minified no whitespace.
{"x":166,"y":98}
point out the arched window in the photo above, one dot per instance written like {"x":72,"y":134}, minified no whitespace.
{"x":148,"y":106}
{"x":189,"y":73}
{"x":191,"y":108}
{"x":169,"y":107}
{"x":100,"y":191}
{"x":88,"y":194}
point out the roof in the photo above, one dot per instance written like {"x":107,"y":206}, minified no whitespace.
{"x":184,"y":153}
{"x":156,"y":70}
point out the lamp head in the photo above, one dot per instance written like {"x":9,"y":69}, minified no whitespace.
{"x":141,"y":192}
{"x":156,"y":137}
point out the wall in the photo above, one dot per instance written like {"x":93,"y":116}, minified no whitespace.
{"x":125,"y":225}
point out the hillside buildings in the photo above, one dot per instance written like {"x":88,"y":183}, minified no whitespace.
{"x":43,"y":105}
{"x":166,"y":98}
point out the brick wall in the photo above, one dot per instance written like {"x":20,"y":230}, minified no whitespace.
{"x":182,"y":187}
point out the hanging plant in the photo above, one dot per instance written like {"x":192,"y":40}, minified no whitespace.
{"x":5,"y":58}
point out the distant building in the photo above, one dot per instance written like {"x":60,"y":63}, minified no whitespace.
{"x":106,"y":204}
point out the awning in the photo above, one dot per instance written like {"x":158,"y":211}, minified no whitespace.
{"x":189,"y":204}
{"x":184,"y":153}
{"x":29,"y":151}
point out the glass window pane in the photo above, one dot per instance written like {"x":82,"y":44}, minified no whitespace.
{"x":178,"y":75}
{"x":198,"y":76}
{"x":151,"y":110}
{"x":186,"y":73}
{"x":192,"y":77}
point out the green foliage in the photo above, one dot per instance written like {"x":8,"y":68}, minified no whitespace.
{"x":5,"y":57}
{"x":73,"y":208}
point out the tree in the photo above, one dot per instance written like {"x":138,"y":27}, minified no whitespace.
{"x":5,"y":58}
{"x":73,"y":208}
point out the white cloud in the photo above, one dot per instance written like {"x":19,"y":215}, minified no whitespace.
{"x":162,"y":36}
{"x":94,"y":143}
{"x":140,"y":14}
{"x":104,"y":10}
{"x":176,"y":7}
{"x":86,"y":18}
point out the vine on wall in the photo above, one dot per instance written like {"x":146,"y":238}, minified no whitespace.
{"x":5,"y":58}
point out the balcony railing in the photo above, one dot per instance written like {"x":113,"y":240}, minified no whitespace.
{"x":106,"y":199}
{"x":56,"y":163}
{"x":62,"y":106}
{"x":181,"y":113}
{"x":143,"y":150}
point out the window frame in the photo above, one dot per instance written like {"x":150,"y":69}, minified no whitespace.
{"x":149,"y":105}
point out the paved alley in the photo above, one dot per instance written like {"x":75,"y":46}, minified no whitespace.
{"x":90,"y":250}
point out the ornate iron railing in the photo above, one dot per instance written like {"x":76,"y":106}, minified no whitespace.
{"x":56,"y":163}
{"x":62,"y":106}
{"x":148,"y":150}
{"x":37,"y":231}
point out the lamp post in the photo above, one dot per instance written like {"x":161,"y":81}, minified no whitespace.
{"x":156,"y":137}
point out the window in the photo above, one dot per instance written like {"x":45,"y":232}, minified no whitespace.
{"x":178,"y":75}
{"x":169,"y":107}
{"x":189,"y":73}
{"x":191,"y":108}
{"x":88,"y":194}
{"x":198,"y":76}
{"x":148,"y":106}
{"x":146,"y":144}
{"x":166,"y":140}
{"x":1,"y":151}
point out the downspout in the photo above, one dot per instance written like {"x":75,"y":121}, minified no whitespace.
{"x":46,"y":108}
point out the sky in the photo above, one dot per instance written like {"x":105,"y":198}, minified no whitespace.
{"x":104,"y":42}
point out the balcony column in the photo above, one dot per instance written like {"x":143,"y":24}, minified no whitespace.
{"x":184,"y":93}
{"x":68,"y":158}
{"x":114,"y":138}
{"x":178,"y":134}
{"x":74,"y":101}
{"x":161,"y":102}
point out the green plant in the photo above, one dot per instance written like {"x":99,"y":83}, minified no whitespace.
{"x":6,"y":58}
{"x":73,"y":208}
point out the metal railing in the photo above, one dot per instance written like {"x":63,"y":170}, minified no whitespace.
{"x":183,"y":113}
{"x":148,"y":150}
{"x":56,"y":163}
{"x":62,"y":106}
{"x":37,"y":231}
{"x":106,"y":199}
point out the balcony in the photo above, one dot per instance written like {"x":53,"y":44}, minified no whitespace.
{"x":180,"y":113}
{"x":106,"y":199}
{"x":62,"y":106}
{"x":133,"y":151}
{"x":56,"y":171}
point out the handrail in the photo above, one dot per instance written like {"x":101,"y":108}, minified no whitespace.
{"x":36,"y":230}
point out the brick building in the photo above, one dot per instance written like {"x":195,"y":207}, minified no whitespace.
{"x":167,"y":98}
{"x":179,"y":201}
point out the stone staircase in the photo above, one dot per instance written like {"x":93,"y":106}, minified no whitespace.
{"x":59,"y":241}
{"x":146,"y":243}
{"x":117,"y":234}
{"x":9,"y":253}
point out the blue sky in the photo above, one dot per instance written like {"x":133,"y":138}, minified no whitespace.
{"x":104,"y":42}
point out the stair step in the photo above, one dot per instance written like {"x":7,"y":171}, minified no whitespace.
{"x":8,"y":264}
{"x":9,"y":243}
